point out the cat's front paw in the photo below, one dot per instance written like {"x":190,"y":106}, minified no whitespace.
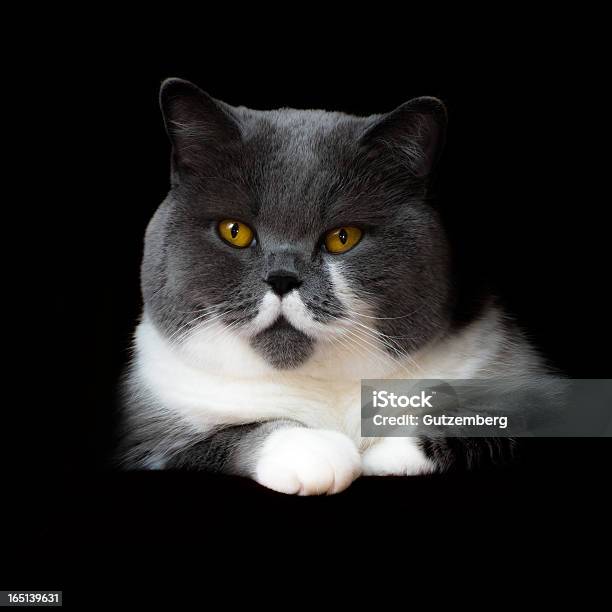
{"x":307,"y":461}
{"x":396,"y":457}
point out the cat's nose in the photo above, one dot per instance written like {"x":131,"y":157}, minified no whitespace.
{"x":283,"y":282}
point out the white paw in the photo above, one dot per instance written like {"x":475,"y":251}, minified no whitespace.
{"x":395,"y":457}
{"x":307,"y":461}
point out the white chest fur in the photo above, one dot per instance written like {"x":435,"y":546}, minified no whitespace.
{"x":217,"y":379}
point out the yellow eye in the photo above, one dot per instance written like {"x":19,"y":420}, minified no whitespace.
{"x":342,"y":239}
{"x":236,"y":233}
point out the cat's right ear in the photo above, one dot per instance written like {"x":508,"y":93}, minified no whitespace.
{"x":199,"y":127}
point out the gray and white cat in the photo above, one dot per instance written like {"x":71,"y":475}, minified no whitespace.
{"x":295,"y":254}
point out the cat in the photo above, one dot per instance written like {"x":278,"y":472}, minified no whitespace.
{"x":296,"y":254}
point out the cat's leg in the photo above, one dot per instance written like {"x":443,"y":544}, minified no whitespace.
{"x":411,"y":456}
{"x":281,"y":455}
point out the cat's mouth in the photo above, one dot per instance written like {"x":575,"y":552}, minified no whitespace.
{"x":281,"y":323}
{"x":283,"y":345}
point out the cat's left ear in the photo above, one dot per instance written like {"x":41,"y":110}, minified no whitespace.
{"x":414,"y":132}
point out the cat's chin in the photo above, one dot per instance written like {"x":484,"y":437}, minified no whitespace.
{"x":283,"y":346}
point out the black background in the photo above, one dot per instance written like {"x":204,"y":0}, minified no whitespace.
{"x":517,"y":181}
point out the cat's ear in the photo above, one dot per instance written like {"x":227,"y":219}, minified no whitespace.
{"x":199,"y":127}
{"x":414,"y":132}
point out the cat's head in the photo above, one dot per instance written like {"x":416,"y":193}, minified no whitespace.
{"x":293,"y":228}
